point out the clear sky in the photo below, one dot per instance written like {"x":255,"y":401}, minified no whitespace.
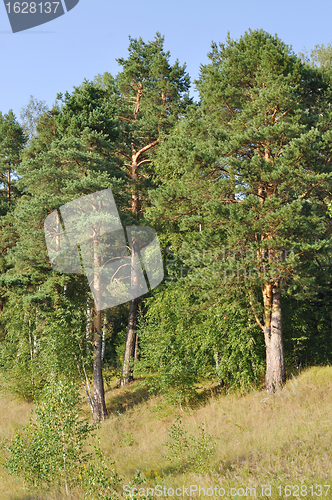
{"x":58,"y":55}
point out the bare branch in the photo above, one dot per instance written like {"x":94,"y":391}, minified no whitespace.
{"x":126,"y":174}
{"x":77,"y":163}
{"x":254,"y":312}
{"x":143,"y":161}
{"x":229,"y":109}
{"x":146,"y":148}
{"x":127,"y":120}
{"x":227,"y":200}
{"x":138,"y":100}
{"x":284,"y":114}
{"x":288,"y":110}
{"x":275,"y":112}
{"x":308,"y":191}
{"x":133,"y":100}
{"x":181,"y":215}
{"x":123,"y":154}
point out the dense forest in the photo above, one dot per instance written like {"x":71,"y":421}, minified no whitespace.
{"x":238,"y":187}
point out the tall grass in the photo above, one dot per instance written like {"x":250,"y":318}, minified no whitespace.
{"x":257,"y":439}
{"x":13,"y":415}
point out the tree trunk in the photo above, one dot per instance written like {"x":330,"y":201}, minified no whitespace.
{"x":130,"y":349}
{"x":137,"y":351}
{"x":136,"y":161}
{"x":99,"y":406}
{"x":275,"y":376}
{"x":89,"y":328}
{"x":103,"y":342}
{"x":8,"y":186}
{"x":127,"y":374}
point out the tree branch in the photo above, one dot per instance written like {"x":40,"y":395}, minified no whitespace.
{"x":275,"y":112}
{"x":181,"y":215}
{"x":229,"y":109}
{"x":120,"y":170}
{"x":311,"y":188}
{"x":143,"y":161}
{"x":254,"y":312}
{"x":226,"y":200}
{"x":123,"y":154}
{"x":77,"y":163}
{"x":127,"y":120}
{"x":288,"y":110}
{"x":146,"y":148}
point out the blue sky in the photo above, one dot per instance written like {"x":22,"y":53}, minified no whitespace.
{"x":58,"y":55}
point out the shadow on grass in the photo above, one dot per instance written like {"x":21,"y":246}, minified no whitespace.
{"x":203,"y":395}
{"x":50,"y":495}
{"x":26,"y":497}
{"x":125,"y":398}
{"x":121,"y":399}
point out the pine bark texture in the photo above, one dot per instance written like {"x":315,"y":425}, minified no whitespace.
{"x":275,"y":375}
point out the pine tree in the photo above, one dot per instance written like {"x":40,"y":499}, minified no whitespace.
{"x":152,"y":95}
{"x":257,"y":174}
{"x":12,"y":140}
{"x":90,"y":116}
{"x":70,"y":156}
{"x":269,"y":107}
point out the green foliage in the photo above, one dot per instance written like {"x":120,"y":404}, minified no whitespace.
{"x":245,"y":172}
{"x":245,"y":175}
{"x":183,"y":340}
{"x":171,"y":349}
{"x":152,"y":95}
{"x":128,"y":439}
{"x":45,"y":313}
{"x":163,"y":87}
{"x":50,"y":450}
{"x":99,"y":482}
{"x":320,"y":56}
{"x":187,"y":451}
{"x":30,"y":116}
{"x":12,"y":141}
{"x":42,"y":324}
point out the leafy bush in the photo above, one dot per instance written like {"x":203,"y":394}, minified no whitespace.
{"x":188,"y":452}
{"x":185,"y":338}
{"x":51,"y":450}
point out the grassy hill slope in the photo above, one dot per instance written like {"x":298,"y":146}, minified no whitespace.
{"x":230,"y":441}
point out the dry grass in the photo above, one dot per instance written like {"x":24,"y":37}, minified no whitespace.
{"x":279,"y":439}
{"x":13,"y":415}
{"x":259,"y":439}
